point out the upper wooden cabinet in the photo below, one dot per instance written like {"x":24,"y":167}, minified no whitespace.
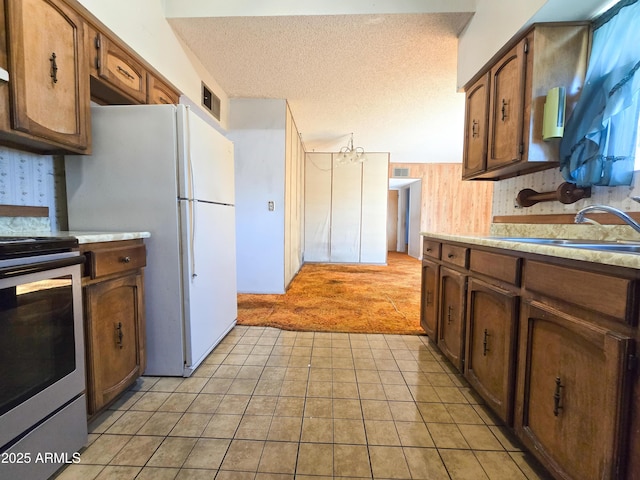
{"x":119,"y":69}
{"x":506,"y":114}
{"x":475,"y":129}
{"x":505,"y":101}
{"x":159,"y":92}
{"x":47,"y":96}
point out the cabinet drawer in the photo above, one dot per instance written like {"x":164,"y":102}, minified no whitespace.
{"x":431,"y":248}
{"x":105,"y":261}
{"x":594,"y":291}
{"x":160,"y":93}
{"x":119,"y":69}
{"x":495,"y":265}
{"x":455,"y":255}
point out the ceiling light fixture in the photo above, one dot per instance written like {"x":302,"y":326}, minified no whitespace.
{"x":349,"y":154}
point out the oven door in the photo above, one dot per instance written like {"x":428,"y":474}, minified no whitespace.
{"x":41,"y":341}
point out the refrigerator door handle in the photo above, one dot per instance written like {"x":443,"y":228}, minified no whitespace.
{"x":190,"y":197}
{"x":192,"y":237}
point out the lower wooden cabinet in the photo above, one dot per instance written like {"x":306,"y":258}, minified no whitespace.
{"x":451,"y":317}
{"x":114,"y":321}
{"x":492,"y":314}
{"x":572,"y":387}
{"x":429,"y":306}
{"x":549,"y":344}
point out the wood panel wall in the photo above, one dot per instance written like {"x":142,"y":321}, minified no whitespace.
{"x":450,"y":205}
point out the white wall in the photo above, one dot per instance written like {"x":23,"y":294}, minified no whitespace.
{"x":257,"y":128}
{"x":142,"y":25}
{"x":496,"y":22}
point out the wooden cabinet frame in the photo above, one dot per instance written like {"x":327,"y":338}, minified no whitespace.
{"x":553,"y":317}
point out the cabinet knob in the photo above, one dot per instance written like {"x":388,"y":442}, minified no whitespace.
{"x":451,"y":255}
{"x":125,"y":259}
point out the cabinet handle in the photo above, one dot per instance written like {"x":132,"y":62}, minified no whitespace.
{"x":429,"y":250}
{"x":125,"y":73}
{"x":449,"y":314}
{"x":119,"y":334}
{"x":556,"y":397}
{"x":484,"y":343}
{"x":125,"y":259}
{"x":451,"y":255}
{"x":54,"y":68}
{"x":474,"y":129}
{"x":504,"y":109}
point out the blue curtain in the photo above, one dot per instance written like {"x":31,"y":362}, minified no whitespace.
{"x":598,"y":147}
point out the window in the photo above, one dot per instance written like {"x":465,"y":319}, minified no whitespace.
{"x":601,"y":136}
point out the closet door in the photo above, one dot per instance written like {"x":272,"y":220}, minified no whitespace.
{"x":346,"y":212}
{"x":317,"y":208}
{"x":375,"y":187}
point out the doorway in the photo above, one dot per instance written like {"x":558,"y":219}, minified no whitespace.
{"x":403,"y":218}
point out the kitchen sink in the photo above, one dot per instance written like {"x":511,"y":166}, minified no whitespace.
{"x":620,"y":246}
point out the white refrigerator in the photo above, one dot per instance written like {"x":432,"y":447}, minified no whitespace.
{"x":163,"y":169}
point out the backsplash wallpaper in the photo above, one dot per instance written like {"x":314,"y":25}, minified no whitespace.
{"x":34,"y":180}
{"x":505,"y":192}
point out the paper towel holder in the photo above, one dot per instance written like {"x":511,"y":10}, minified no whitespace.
{"x":554,"y":113}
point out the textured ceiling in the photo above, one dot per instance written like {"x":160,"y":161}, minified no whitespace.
{"x":388,"y":79}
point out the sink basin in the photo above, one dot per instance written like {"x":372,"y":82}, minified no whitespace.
{"x":621,"y":246}
{"x":544,"y":241}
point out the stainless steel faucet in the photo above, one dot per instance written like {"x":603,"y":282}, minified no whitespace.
{"x":580,"y":218}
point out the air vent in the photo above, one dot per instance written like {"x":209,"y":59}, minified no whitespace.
{"x":400,"y":172}
{"x":210,"y":101}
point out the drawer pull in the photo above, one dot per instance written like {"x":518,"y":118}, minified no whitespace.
{"x":54,"y":68}
{"x":119,"y":334}
{"x":429,"y":297}
{"x":125,"y":259}
{"x":484,"y":343}
{"x":556,"y":397}
{"x":451,"y":255}
{"x":504,"y":109}
{"x":429,"y":249}
{"x":125,"y":73}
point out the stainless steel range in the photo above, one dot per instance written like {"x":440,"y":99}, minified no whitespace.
{"x":43,"y":419}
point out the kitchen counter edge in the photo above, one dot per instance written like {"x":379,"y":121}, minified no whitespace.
{"x":629,"y":260}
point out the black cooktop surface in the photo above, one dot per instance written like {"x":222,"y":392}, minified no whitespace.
{"x":16,"y":246}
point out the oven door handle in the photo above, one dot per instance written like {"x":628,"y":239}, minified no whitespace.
{"x":15,"y":271}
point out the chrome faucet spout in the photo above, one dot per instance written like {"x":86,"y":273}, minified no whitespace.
{"x":580,"y":216}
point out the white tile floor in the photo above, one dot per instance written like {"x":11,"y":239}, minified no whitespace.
{"x":272,"y":404}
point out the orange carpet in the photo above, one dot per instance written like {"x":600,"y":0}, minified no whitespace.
{"x":351,"y":298}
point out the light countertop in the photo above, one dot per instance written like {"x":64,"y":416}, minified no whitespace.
{"x":630,"y":260}
{"x":85,"y":237}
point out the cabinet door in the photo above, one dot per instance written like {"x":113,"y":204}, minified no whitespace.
{"x":476,"y":128}
{"x":49,"y":74}
{"x":451,"y":315}
{"x":490,"y":345}
{"x":119,"y":69}
{"x":507,"y":108}
{"x":429,"y":301}
{"x":114,"y":310}
{"x":572,"y":393}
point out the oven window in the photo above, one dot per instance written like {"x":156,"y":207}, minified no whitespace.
{"x":36,"y":338}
